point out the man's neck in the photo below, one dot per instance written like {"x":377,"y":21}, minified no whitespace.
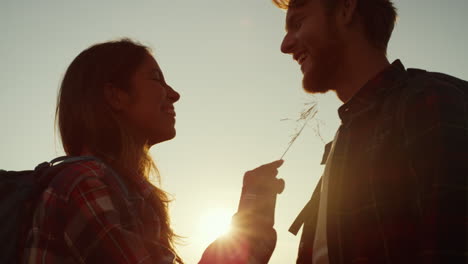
{"x":361,"y":66}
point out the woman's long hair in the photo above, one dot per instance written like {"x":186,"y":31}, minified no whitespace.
{"x":85,"y":119}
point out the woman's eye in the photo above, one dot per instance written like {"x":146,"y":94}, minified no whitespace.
{"x":158,"y":78}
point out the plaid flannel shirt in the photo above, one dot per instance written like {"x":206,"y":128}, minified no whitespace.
{"x":397,"y":187}
{"x":84,"y":216}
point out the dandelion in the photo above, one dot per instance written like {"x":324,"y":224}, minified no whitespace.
{"x":305,"y":116}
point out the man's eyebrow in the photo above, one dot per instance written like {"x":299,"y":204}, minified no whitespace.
{"x":290,"y":19}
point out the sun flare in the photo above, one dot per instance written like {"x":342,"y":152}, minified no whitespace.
{"x":215,"y":223}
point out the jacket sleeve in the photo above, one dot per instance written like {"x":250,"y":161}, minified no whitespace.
{"x":435,"y":121}
{"x":245,"y":244}
{"x":94,"y":233}
{"x":252,"y":238}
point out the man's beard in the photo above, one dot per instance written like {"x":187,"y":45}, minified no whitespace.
{"x":324,"y":74}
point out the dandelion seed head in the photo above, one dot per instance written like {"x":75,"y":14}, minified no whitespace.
{"x":304,"y":117}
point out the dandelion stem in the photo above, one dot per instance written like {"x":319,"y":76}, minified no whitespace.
{"x":306,"y":116}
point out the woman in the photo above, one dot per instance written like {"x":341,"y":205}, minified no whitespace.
{"x":113,"y":104}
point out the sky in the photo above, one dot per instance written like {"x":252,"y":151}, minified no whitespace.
{"x":236,"y":86}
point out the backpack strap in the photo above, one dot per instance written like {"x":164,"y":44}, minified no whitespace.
{"x":58,"y":164}
{"x":62,"y":159}
{"x":69,"y":159}
{"x":308,"y":212}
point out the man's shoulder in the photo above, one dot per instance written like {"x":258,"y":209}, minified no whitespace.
{"x":421,"y":81}
{"x":420,"y":94}
{"x":429,"y":99}
{"x":423,"y":88}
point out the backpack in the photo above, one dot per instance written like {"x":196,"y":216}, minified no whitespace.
{"x":19,"y":193}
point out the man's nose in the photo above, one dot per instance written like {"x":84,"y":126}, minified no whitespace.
{"x":287,"y":44}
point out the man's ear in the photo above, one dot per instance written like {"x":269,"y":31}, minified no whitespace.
{"x":115,"y":97}
{"x":348,"y":11}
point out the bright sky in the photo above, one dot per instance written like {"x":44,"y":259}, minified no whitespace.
{"x":224,"y":59}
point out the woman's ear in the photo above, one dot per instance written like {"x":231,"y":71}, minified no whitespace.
{"x":115,"y":97}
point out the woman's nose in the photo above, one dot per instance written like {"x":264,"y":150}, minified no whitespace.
{"x":172,"y":94}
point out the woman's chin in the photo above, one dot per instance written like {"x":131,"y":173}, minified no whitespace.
{"x":162,"y":137}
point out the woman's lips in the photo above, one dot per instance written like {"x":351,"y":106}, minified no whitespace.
{"x":169,"y":111}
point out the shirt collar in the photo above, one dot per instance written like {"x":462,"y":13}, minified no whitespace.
{"x":367,"y":95}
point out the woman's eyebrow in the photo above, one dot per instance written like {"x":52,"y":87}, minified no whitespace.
{"x":157,"y":71}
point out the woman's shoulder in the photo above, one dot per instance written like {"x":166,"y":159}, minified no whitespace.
{"x":89,"y":174}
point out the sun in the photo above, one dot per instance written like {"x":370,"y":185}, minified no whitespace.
{"x":215,"y":223}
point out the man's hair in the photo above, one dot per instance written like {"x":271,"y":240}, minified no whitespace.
{"x":378,"y":17}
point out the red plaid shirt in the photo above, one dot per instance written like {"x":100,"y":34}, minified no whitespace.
{"x":398,"y":182}
{"x":85,"y":216}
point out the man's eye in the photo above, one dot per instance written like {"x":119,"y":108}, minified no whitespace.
{"x":297,"y":24}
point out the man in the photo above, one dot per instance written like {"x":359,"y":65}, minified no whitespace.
{"x":394,"y":186}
